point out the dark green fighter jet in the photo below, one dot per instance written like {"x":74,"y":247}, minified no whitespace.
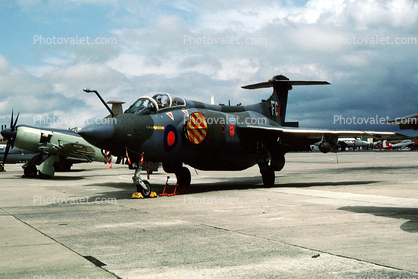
{"x":169,"y":129}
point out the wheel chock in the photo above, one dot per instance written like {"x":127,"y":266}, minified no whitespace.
{"x":153,"y":195}
{"x":139,"y":195}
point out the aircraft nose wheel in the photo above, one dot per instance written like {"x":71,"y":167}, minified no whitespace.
{"x":145,"y":192}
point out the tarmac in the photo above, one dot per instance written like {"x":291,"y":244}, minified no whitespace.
{"x":347,"y":215}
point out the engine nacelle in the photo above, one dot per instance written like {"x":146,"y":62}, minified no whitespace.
{"x":325,"y":147}
{"x":277,"y":163}
{"x":28,"y":138}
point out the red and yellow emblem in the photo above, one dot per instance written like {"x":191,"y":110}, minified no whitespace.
{"x":196,"y":128}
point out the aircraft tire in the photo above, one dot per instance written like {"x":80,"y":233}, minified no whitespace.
{"x":62,"y":166}
{"x":183,"y":177}
{"x":1,"y":168}
{"x":268,"y":178}
{"x":44,"y":176}
{"x":30,"y":171}
{"x":145,"y":193}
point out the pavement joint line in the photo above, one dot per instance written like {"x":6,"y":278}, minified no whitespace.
{"x":56,"y":241}
{"x":287,"y":243}
{"x":305,"y":248}
{"x":344,"y":199}
{"x":28,"y":245}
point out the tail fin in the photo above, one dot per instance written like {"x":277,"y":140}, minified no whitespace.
{"x":278,"y":100}
{"x":386,"y":144}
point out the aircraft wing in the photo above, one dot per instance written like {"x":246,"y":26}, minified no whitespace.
{"x":299,"y":139}
{"x":71,"y":151}
{"x":318,"y":133}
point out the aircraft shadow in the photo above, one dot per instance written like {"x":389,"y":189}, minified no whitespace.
{"x":56,"y":177}
{"x":410,"y":214}
{"x":255,"y":183}
{"x":373,"y":169}
{"x":126,"y":189}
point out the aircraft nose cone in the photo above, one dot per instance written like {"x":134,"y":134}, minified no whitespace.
{"x":97,"y":134}
{"x":8,"y":134}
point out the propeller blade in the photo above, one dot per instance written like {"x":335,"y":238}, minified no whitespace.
{"x":11,"y":120}
{"x":17,"y":117}
{"x":6,"y":152}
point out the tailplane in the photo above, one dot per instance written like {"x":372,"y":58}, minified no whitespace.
{"x":278,"y":100}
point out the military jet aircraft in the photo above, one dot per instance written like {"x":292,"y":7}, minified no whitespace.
{"x":56,"y":149}
{"x":169,"y":129}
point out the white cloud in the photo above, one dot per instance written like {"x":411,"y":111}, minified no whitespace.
{"x":320,"y":11}
{"x":248,"y":18}
{"x":4,"y":66}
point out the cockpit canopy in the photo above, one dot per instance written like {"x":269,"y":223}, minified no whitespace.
{"x":153,"y":102}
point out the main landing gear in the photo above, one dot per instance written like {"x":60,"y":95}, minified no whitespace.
{"x":144,"y":187}
{"x":46,"y":167}
{"x":268,"y":163}
{"x":268,"y":177}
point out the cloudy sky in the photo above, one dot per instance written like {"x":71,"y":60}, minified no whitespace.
{"x":53,"y":49}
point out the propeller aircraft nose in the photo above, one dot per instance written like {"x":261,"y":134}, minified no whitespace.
{"x":8,"y":133}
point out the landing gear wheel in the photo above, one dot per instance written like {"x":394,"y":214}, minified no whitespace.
{"x":1,"y":168}
{"x":30,"y":171}
{"x":184,"y":177}
{"x":268,"y":178}
{"x":44,"y":176}
{"x":146,"y":193}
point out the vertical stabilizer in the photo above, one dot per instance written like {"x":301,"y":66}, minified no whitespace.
{"x":278,"y":100}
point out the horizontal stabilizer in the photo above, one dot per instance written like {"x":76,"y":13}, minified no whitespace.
{"x":288,"y":82}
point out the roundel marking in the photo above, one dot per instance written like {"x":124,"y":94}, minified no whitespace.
{"x":231,"y":130}
{"x":196,"y":128}
{"x":170,"y":138}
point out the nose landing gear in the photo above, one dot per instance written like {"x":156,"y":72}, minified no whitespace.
{"x":143,"y":187}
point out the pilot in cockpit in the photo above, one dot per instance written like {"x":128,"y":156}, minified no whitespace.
{"x":162,"y":101}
